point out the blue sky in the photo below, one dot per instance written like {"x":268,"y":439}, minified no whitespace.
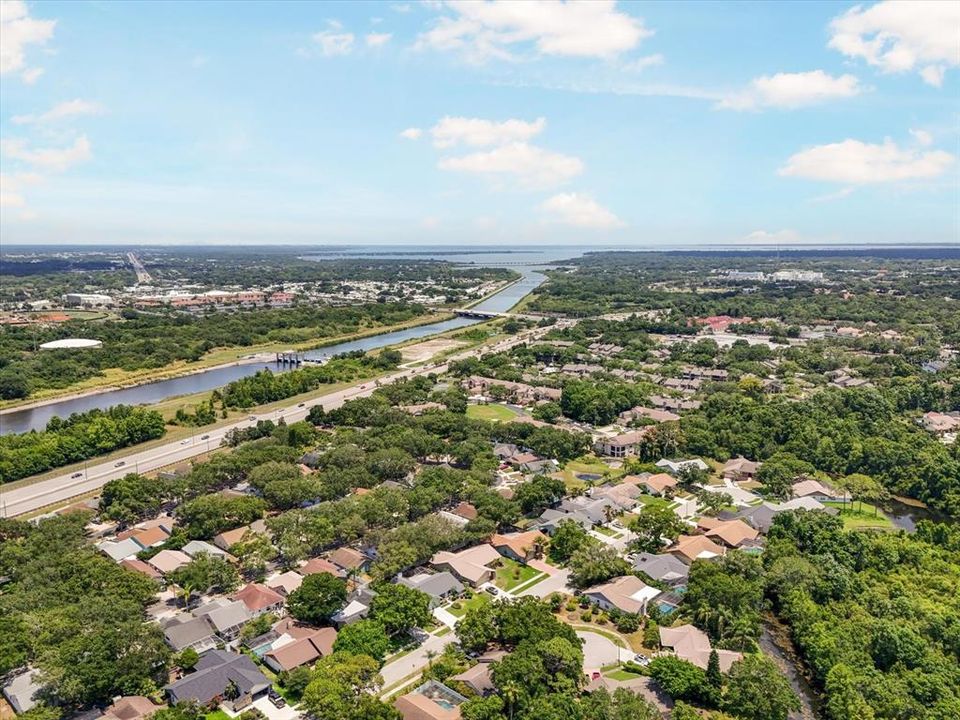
{"x":600,"y":123}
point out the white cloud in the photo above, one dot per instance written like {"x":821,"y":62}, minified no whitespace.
{"x":375,"y":40}
{"x":858,"y":163}
{"x":792,"y":90}
{"x":779,"y":237}
{"x":642,"y":63}
{"x":922,"y":137}
{"x":899,"y":36}
{"x":479,"y":132}
{"x":11,"y":188}
{"x":31,"y":75}
{"x":484,"y":30}
{"x":19,"y":31}
{"x":528,"y":165}
{"x":411,"y":133}
{"x":333,"y":41}
{"x":580,"y":210}
{"x":67,"y":109}
{"x":51,"y":159}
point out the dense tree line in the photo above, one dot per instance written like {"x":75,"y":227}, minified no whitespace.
{"x":78,"y":437}
{"x":76,"y":616}
{"x":143,"y":340}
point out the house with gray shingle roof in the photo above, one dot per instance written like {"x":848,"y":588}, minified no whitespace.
{"x":215,"y":671}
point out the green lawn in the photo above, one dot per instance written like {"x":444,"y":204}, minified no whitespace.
{"x":621,"y":674}
{"x":866,"y":518}
{"x":465,"y":605}
{"x":217,"y":714}
{"x":493,"y":413}
{"x":652,"y":501}
{"x":510,"y":574}
{"x":604,"y":530}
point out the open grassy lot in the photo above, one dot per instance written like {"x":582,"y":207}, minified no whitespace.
{"x":512,"y":574}
{"x":866,"y":517}
{"x":585,"y":465}
{"x":621,"y":674}
{"x":492,"y":413}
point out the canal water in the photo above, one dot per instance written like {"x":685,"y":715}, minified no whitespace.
{"x":529,"y":265}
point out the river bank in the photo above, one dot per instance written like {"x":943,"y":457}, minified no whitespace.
{"x":776,"y":643}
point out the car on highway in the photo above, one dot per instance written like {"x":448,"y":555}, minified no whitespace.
{"x":204,"y":437}
{"x":302,"y":405}
{"x":120,"y":464}
{"x":185,"y":442}
{"x":77,"y":474}
{"x":252,"y":418}
{"x":363,"y":387}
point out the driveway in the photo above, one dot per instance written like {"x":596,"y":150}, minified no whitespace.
{"x":557,"y":582}
{"x":396,"y":670}
{"x":600,"y":651}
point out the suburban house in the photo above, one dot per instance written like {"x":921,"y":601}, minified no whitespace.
{"x":940,"y":423}
{"x":431,"y":701}
{"x":692,"y":644}
{"x":195,"y":547}
{"x":665,"y":568}
{"x":307,"y":646}
{"x":471,"y":566}
{"x":357,"y":607}
{"x":597,"y":511}
{"x":675,"y":467}
{"x":21,"y":690}
{"x":732,"y":533}
{"x":285,"y":583}
{"x":227,"y":618}
{"x":549,"y":520}
{"x":654,"y":414}
{"x":627,"y":593}
{"x":653,"y":484}
{"x":477,"y":678}
{"x":761,"y":516}
{"x":320,"y":565}
{"x":620,"y":446}
{"x":623,"y":495}
{"x":229,"y":538}
{"x":131,"y":707}
{"x":695,"y":547}
{"x":215,"y":672}
{"x":118,"y":550}
{"x":439,"y":586}
{"x":196,"y":633}
{"x":141,"y":567}
{"x":814,"y":489}
{"x":740,"y":469}
{"x":166,"y":561}
{"x":504,"y":451}
{"x":259,"y":599}
{"x":149,"y":537}
{"x":518,"y":546}
{"x":349,"y":560}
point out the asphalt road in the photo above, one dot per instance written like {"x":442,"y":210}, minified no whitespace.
{"x":62,"y":488}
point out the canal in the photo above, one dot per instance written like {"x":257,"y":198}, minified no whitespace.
{"x":36,"y":418}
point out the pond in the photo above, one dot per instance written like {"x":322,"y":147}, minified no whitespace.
{"x":905,"y":516}
{"x":588,"y":477}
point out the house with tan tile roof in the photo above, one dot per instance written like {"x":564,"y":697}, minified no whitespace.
{"x":431,"y":701}
{"x":732,"y":533}
{"x":348,"y":559}
{"x":472,"y":566}
{"x":692,"y":644}
{"x":300,"y":651}
{"x":518,"y":546}
{"x":320,"y":565}
{"x":627,"y":593}
{"x":259,"y":599}
{"x":695,"y":547}
{"x":285,"y":583}
{"x":166,"y":561}
{"x":657,"y":484}
{"x":141,"y":567}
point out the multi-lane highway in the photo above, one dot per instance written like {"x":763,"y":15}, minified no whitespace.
{"x":62,"y":488}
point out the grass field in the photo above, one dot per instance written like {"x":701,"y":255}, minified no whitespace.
{"x":866,"y":518}
{"x":493,"y":413}
{"x":587,"y":465}
{"x":511,"y":574}
{"x":621,"y":674}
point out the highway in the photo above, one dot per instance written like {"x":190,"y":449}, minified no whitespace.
{"x":60,"y":489}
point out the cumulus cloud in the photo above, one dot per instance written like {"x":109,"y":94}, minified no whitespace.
{"x":375,"y":40}
{"x":50,"y":159}
{"x":334,"y":41}
{"x":60,"y":111}
{"x":19,"y":31}
{"x":411,"y":133}
{"x":527,"y":165}
{"x":581,"y":211}
{"x":901,"y":35}
{"x":857,"y":163}
{"x":792,"y":90}
{"x":922,"y":137}
{"x":500,"y":28}
{"x":12,"y":188}
{"x":451,"y":131}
